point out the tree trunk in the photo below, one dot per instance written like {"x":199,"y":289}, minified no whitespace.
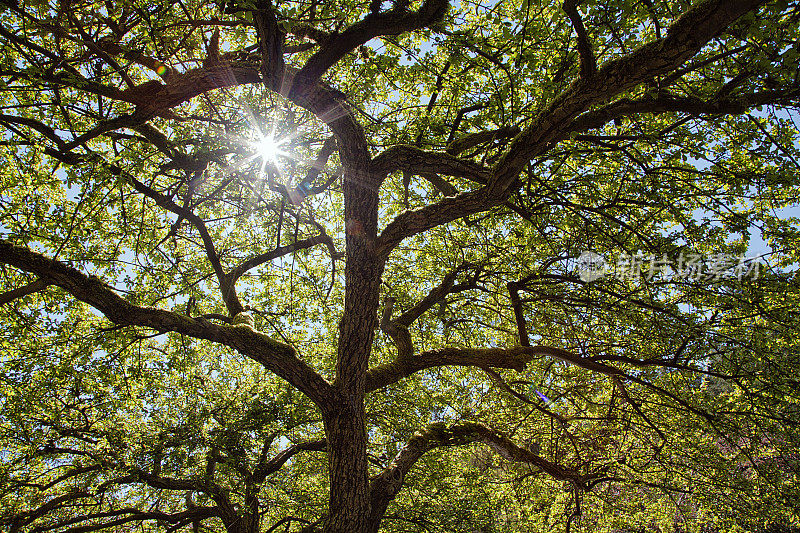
{"x":245,"y":520}
{"x":246,"y":523}
{"x":347,"y":468}
{"x":345,"y":422}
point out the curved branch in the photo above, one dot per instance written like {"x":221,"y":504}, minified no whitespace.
{"x":515,"y":358}
{"x":194,"y":514}
{"x":393,"y":22}
{"x":153,"y":96}
{"x":45,"y":130}
{"x":519,"y":316}
{"x":417,"y":161}
{"x":275,"y":356}
{"x":274,"y":464}
{"x":685,"y":38}
{"x":494,"y":376}
{"x":17,"y":521}
{"x":397,"y":328}
{"x":226,"y":284}
{"x":328,"y":147}
{"x":474,"y":139}
{"x":385,"y":486}
{"x":280,"y":251}
{"x":681,"y":104}
{"x":409,"y":223}
{"x":189,"y":163}
{"x":404,"y":366}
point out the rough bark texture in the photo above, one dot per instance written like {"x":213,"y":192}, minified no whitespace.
{"x":345,"y":425}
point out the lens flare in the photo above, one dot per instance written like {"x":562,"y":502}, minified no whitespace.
{"x":268,"y":147}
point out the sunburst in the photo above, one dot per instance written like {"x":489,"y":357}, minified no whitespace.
{"x":268,"y":147}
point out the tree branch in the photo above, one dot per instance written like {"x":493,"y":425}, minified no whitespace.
{"x":416,"y":161}
{"x":416,"y":221}
{"x":280,"y":251}
{"x":305,"y":187}
{"x":397,"y":328}
{"x":274,"y":464}
{"x":153,"y":97}
{"x":436,"y":295}
{"x":513,"y":358}
{"x":385,"y":486}
{"x":519,"y":315}
{"x":404,"y":366}
{"x":394,"y":22}
{"x":440,"y":184}
{"x":226,"y":508}
{"x":134,"y":515}
{"x":19,"y":292}
{"x":189,"y":163}
{"x":270,"y":43}
{"x":226,"y":284}
{"x":273,"y":355}
{"x":25,"y":518}
{"x":499,"y":381}
{"x":475,"y":139}
{"x":588,"y":63}
{"x":681,"y":104}
{"x":685,"y":38}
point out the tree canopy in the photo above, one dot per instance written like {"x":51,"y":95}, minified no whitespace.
{"x":430,"y":265}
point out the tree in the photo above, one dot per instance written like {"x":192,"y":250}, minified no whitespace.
{"x":321,"y":266}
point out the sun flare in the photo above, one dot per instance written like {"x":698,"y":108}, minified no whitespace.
{"x":268,"y":148}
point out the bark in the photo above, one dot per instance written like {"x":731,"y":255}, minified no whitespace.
{"x":344,"y":417}
{"x":347,"y":467}
{"x":411,"y":159}
{"x":270,"y":40}
{"x":588,"y":63}
{"x":277,"y":357}
{"x":685,"y":38}
{"x":345,"y":424}
{"x":246,"y":523}
{"x":30,"y":288}
{"x":514,"y":358}
{"x":393,"y":22}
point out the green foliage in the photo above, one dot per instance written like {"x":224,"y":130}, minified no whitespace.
{"x":108,"y":424}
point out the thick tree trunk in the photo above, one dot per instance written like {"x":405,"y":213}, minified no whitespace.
{"x":347,"y":465}
{"x":244,"y":524}
{"x":345,"y":423}
{"x":344,"y":418}
{"x":244,"y":520}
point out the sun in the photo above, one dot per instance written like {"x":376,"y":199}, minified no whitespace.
{"x":268,"y":147}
